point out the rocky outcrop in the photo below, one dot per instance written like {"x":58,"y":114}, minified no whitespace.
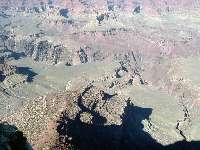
{"x":7,"y":40}
{"x":153,"y":7}
{"x":64,"y":12}
{"x":100,"y":18}
{"x":6,"y":70}
{"x":9,"y":48}
{"x":87,"y":55}
{"x":130,"y":68}
{"x":98,"y":114}
{"x":108,"y":123}
{"x":83,"y":56}
{"x":44,"y":51}
{"x":105,"y":123}
{"x":93,"y":107}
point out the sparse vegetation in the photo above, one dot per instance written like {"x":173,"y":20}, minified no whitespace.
{"x":100,"y":18}
{"x":64,"y":12}
{"x":89,"y":74}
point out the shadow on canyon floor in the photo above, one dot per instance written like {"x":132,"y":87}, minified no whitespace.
{"x":127,"y":136}
{"x":27,"y":71}
{"x":12,"y":139}
{"x":15,"y":55}
{"x":97,"y":136}
{"x":2,"y":77}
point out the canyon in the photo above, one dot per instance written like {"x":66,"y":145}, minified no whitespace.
{"x":106,"y":74}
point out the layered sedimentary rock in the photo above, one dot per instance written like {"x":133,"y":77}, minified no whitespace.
{"x":44,"y":51}
{"x":127,"y":69}
{"x":6,"y":70}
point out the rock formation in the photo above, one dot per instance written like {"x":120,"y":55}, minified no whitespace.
{"x":6,"y":70}
{"x":101,"y":74}
{"x":44,"y":51}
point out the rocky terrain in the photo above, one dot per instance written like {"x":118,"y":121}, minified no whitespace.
{"x":106,"y":74}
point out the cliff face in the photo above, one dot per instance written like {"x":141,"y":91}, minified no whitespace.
{"x":113,"y":59}
{"x":154,"y":7}
{"x":7,"y":69}
{"x":44,"y":51}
